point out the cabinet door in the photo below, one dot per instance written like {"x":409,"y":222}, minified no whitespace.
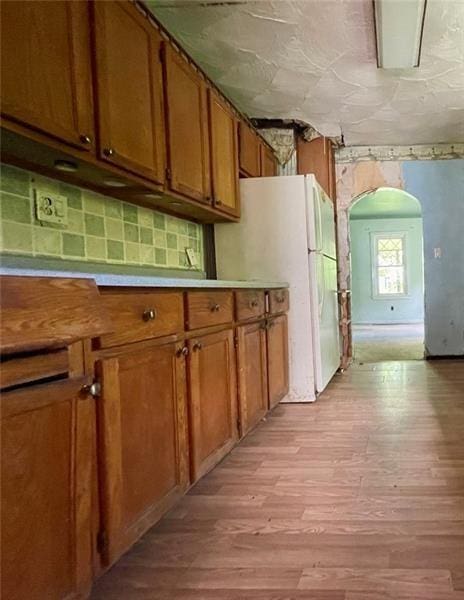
{"x":187,"y":123}
{"x":249,"y":151}
{"x":46,"y":465}
{"x":268,"y":162}
{"x":45,"y":68}
{"x":252,"y":374}
{"x":129,"y":85}
{"x":224,"y":156}
{"x":142,"y":444}
{"x":213,"y":400}
{"x":277,"y":358}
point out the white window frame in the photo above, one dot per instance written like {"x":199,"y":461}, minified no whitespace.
{"x":375,"y":236}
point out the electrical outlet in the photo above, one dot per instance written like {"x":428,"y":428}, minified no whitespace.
{"x":192,"y":257}
{"x":51,"y":208}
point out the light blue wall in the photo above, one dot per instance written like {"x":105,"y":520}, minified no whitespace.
{"x":439,"y":186}
{"x":366,"y":308}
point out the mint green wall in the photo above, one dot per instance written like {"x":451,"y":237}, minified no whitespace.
{"x":101,"y":229}
{"x":366,"y":309}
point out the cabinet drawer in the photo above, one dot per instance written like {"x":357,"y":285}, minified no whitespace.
{"x":205,"y":309}
{"x":249,"y":304}
{"x":140,"y":316}
{"x":278,"y":301}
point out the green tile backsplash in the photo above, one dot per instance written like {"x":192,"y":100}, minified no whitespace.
{"x":99,"y":229}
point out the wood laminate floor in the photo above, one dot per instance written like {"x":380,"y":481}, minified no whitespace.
{"x":359,"y":496}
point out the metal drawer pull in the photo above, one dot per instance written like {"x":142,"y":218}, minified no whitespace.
{"x":197,"y":346}
{"x":182,"y":351}
{"x":85,"y":139}
{"x":254,"y":303}
{"x":149,"y":314}
{"x":280,"y":299}
{"x":108,"y":151}
{"x":215,"y":308}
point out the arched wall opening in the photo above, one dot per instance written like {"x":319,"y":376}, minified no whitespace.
{"x":385,"y":238}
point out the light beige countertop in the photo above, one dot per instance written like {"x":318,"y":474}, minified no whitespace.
{"x":111,"y":279}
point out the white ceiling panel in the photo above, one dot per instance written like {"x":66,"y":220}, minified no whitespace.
{"x":314,"y":60}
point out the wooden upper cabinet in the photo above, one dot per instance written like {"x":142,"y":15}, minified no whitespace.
{"x":277,"y":359}
{"x":213,"y":400}
{"x":268,"y":162}
{"x":317,"y":157}
{"x":129,"y":89}
{"x":224,"y":155}
{"x":46,"y":465}
{"x":46,"y":69}
{"x":249,"y":151}
{"x":187,"y":128}
{"x":143,"y":445}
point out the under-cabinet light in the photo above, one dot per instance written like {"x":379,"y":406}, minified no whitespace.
{"x":399,"y":25}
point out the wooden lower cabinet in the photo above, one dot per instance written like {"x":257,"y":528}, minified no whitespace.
{"x":46,"y":464}
{"x":142,"y":441}
{"x":213,"y":400}
{"x":277,"y":359}
{"x":252,"y":374}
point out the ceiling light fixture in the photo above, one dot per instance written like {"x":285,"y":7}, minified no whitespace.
{"x":398,"y":31}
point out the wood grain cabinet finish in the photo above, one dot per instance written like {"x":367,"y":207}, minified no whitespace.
{"x":46,"y":464}
{"x":268,"y":162}
{"x":224,"y":159}
{"x":277,"y":359}
{"x":209,"y":308}
{"x":213,"y":400}
{"x":142,"y":445}
{"x":46,"y":69}
{"x":137,"y":316}
{"x":129,"y":89}
{"x":278,"y":301}
{"x":187,"y":128}
{"x":249,"y":151}
{"x":249,"y":304}
{"x":45,"y":312}
{"x":252,"y":375}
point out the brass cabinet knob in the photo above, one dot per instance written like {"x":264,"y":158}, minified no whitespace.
{"x":197,"y":346}
{"x":108,"y":151}
{"x":215,"y":308}
{"x":149,"y":314}
{"x":182,"y":351}
{"x":85,"y":139}
{"x":94,"y":389}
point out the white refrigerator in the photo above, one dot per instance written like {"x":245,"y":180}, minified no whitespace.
{"x":287,"y":233}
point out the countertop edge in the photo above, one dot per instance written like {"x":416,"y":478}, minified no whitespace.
{"x":113,"y":280}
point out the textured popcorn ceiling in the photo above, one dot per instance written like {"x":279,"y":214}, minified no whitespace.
{"x":314,"y":60}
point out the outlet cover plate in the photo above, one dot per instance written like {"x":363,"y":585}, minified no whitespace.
{"x":192,"y":257}
{"x":51,"y":208}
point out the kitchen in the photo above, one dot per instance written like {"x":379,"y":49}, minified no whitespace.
{"x":173,"y":268}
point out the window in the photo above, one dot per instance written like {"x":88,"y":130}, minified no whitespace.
{"x":389,"y":266}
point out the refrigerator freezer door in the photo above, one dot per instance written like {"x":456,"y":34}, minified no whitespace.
{"x":327,"y":224}
{"x":324,"y":308}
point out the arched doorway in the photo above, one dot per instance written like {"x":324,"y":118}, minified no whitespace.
{"x":387,"y":276}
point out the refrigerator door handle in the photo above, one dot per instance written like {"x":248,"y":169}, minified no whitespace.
{"x":321,"y":285}
{"x":317,"y":208}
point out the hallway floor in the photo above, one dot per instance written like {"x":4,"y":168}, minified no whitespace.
{"x":377,"y":343}
{"x":359,"y":496}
